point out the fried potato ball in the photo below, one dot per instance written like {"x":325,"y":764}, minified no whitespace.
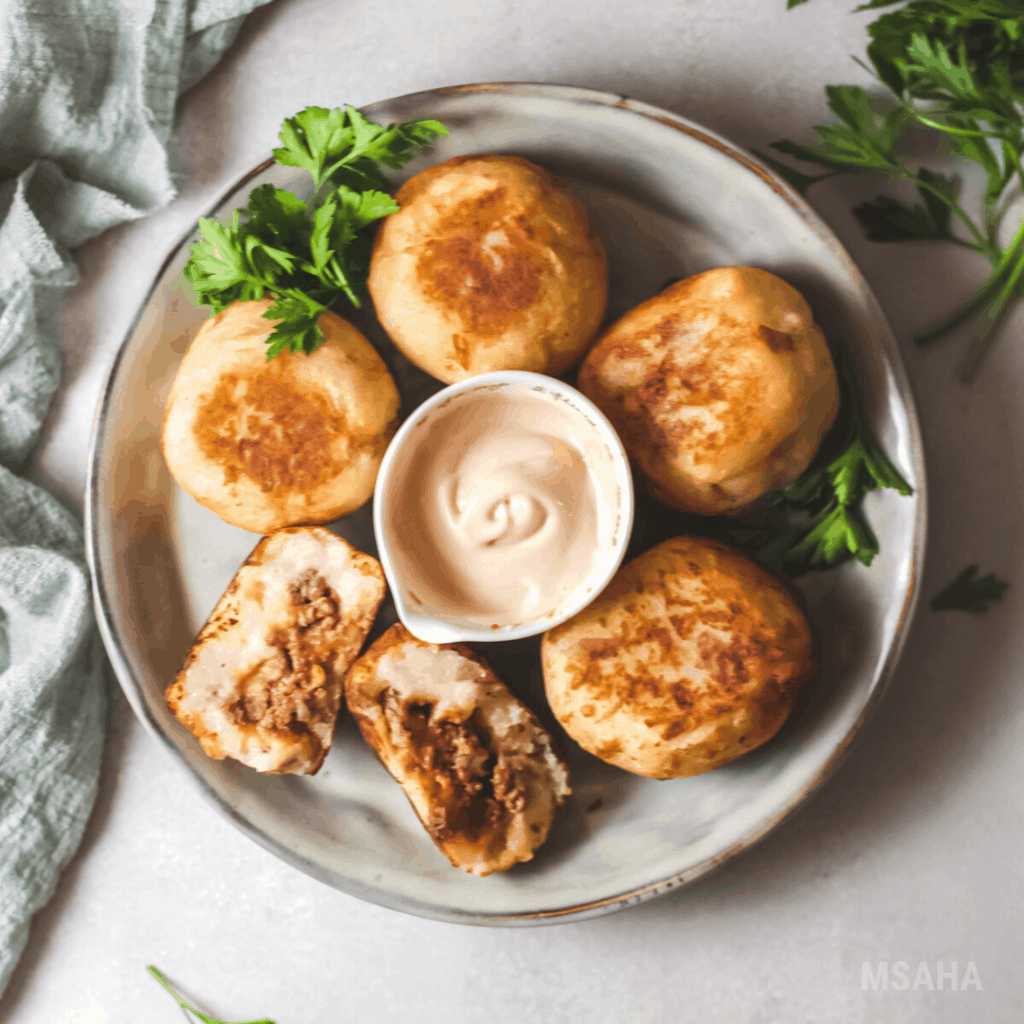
{"x":478,"y":768}
{"x":263,"y":683}
{"x":690,"y":657}
{"x":491,"y":264}
{"x":721,"y":388}
{"x":295,"y":440}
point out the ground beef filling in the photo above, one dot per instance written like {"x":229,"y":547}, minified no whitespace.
{"x":296,"y":684}
{"x":474,"y":791}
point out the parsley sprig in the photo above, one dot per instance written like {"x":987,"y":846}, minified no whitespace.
{"x":186,"y":1009}
{"x":817,"y":522}
{"x":953,"y":67}
{"x":306,"y":255}
{"x":969,"y":592}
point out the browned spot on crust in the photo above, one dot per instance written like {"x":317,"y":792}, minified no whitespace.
{"x":634,"y":688}
{"x":673,"y":729}
{"x":662,"y":636}
{"x":652,"y":391}
{"x":702,"y":378}
{"x":597,"y":649}
{"x":366,"y":566}
{"x":777,"y":341}
{"x":461,"y":349}
{"x":484,"y":282}
{"x":681,"y":695}
{"x":727,"y":663}
{"x":276,"y":435}
{"x":665,"y":330}
{"x":485,"y":293}
{"x":524,"y":225}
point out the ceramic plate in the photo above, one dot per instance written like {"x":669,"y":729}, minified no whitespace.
{"x":671,"y":199}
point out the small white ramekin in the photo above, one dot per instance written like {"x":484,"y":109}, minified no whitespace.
{"x":451,"y":628}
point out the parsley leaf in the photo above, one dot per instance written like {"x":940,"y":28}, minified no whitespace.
{"x":952,"y":67}
{"x":340,"y":145}
{"x":939,"y":194}
{"x":887,"y":220}
{"x":800,"y":181}
{"x":219,"y":268}
{"x":969,"y":593}
{"x":817,"y":522}
{"x":278,"y":214}
{"x":341,"y":256}
{"x":187,"y":1009}
{"x":306,"y":255}
{"x":865,"y":140}
{"x":309,"y":137}
{"x":299,"y":327}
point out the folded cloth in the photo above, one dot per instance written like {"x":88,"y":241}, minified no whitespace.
{"x":89,"y":96}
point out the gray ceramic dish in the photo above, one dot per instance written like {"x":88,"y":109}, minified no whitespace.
{"x":671,"y":199}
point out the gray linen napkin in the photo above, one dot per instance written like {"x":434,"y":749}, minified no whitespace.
{"x":89,"y":91}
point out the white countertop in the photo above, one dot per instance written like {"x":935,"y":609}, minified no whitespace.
{"x":912,"y":852}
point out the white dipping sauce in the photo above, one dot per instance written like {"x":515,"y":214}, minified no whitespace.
{"x":504,"y":508}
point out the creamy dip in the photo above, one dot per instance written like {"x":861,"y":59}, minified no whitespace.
{"x":509,"y":497}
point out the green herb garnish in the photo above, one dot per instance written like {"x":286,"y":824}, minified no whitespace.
{"x":969,"y":593}
{"x":817,"y":522}
{"x":954,"y":68}
{"x":186,"y":1009}
{"x":307,"y":255}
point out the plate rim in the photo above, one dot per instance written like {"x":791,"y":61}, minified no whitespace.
{"x":584,"y":910}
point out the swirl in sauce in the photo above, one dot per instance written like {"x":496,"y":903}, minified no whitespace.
{"x":503,"y":516}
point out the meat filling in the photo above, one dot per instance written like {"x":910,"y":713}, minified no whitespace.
{"x":294,"y":685}
{"x":473,"y":788}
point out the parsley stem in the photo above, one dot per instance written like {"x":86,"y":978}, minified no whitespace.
{"x":343,"y":282}
{"x":960,"y":213}
{"x":163,"y":981}
{"x":950,"y":130}
{"x":1008,"y":201}
{"x":963,"y":314}
{"x":980,"y":348}
{"x":187,"y":1009}
{"x":981,"y":296}
{"x":994,"y":317}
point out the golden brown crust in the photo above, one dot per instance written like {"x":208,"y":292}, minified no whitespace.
{"x":298,"y":439}
{"x":721,"y":388}
{"x":491,"y":264}
{"x":263,"y":683}
{"x":478,"y":768}
{"x":287,"y":440}
{"x":691,"y":657}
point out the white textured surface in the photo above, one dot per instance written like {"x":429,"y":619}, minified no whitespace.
{"x":912,"y":852}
